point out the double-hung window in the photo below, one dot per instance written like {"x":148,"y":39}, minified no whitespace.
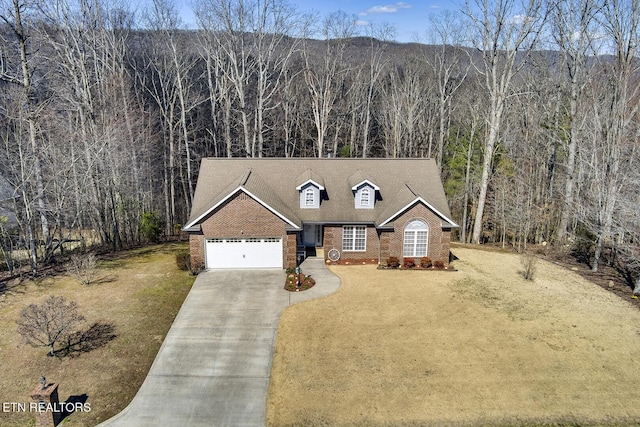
{"x":354,"y":238}
{"x":416,"y":239}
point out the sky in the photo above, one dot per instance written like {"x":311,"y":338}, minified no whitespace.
{"x":409,"y":18}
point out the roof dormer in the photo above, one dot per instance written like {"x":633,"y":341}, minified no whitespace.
{"x":310,"y":186}
{"x":364,"y":191}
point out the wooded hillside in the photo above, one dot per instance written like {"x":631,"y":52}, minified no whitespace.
{"x":530,"y":111}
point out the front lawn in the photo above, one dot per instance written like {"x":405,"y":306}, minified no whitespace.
{"x":136,"y":297}
{"x":480,"y":346}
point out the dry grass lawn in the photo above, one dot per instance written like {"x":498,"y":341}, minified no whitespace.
{"x":480,"y":346}
{"x":138,"y":293}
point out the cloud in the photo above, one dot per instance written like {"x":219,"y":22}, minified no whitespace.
{"x":518,"y":19}
{"x":390,"y":8}
{"x":361,"y":23}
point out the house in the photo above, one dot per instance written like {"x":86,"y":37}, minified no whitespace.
{"x":271,"y":212}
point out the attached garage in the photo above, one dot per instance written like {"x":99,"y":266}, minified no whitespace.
{"x":254,"y":252}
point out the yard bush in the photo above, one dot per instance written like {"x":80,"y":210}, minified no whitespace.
{"x":409,"y":263}
{"x":183,"y":260}
{"x":151,"y":226}
{"x":425,"y":262}
{"x":82,"y":267}
{"x":393,"y":262}
{"x":438,"y":264}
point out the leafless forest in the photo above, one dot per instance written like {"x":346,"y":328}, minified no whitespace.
{"x":530,"y":109}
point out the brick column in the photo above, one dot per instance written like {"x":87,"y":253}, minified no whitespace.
{"x":45,"y":396}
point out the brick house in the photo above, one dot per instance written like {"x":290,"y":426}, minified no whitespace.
{"x":270,"y":213}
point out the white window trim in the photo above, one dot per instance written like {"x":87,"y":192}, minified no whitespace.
{"x":414,"y":242}
{"x":352,"y":241}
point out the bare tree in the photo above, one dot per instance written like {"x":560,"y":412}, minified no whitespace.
{"x":612,"y":154}
{"x":572,"y":31}
{"x":504,"y":34}
{"x":375,"y":66}
{"x":46,"y":324}
{"x":82,"y":267}
{"x":405,"y":97}
{"x":450,"y":65}
{"x":21,"y":76}
{"x":325,"y":73}
{"x":164,"y":19}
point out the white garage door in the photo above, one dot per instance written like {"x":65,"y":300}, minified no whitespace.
{"x":244,"y":253}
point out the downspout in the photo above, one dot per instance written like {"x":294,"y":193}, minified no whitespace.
{"x":379,"y":245}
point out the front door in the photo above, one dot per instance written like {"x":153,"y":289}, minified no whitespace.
{"x":312,"y":235}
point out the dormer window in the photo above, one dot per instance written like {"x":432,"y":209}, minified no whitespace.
{"x":309,"y":197}
{"x":365,"y":193}
{"x":365,"y":196}
{"x":311,"y":187}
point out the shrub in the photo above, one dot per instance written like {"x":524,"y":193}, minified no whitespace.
{"x":151,"y":226}
{"x":53,"y":321}
{"x":393,"y":262}
{"x":409,"y":263}
{"x":529,"y":263}
{"x":438,"y":264}
{"x":425,"y":262}
{"x":183,"y":260}
{"x":583,"y":244}
{"x":82,"y":267}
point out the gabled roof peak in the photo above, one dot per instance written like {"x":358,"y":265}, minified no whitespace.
{"x":358,"y":178}
{"x":309,"y":176}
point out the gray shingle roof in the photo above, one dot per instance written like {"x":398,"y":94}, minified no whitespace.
{"x":309,"y":175}
{"x":274,"y":182}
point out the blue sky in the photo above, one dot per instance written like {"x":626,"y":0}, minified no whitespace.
{"x":410,"y":18}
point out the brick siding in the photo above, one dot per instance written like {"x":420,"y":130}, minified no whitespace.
{"x":241,"y":216}
{"x":196,"y":249}
{"x":438,"y":246}
{"x":333,"y":240}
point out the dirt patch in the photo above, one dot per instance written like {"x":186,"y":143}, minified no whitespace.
{"x":481,"y":346}
{"x":133,"y":304}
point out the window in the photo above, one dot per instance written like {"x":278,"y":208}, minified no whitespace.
{"x":416,"y":239}
{"x":354,"y":238}
{"x":309,"y":197}
{"x":364,"y":196}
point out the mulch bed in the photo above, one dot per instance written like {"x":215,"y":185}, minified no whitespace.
{"x":291,"y":283}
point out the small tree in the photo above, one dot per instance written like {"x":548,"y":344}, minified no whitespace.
{"x":529,"y":263}
{"x":151,"y":226}
{"x":46,"y":324}
{"x":6,"y":246}
{"x":83,"y":268}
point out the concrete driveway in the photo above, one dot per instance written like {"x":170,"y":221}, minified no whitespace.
{"x":214,"y":365}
